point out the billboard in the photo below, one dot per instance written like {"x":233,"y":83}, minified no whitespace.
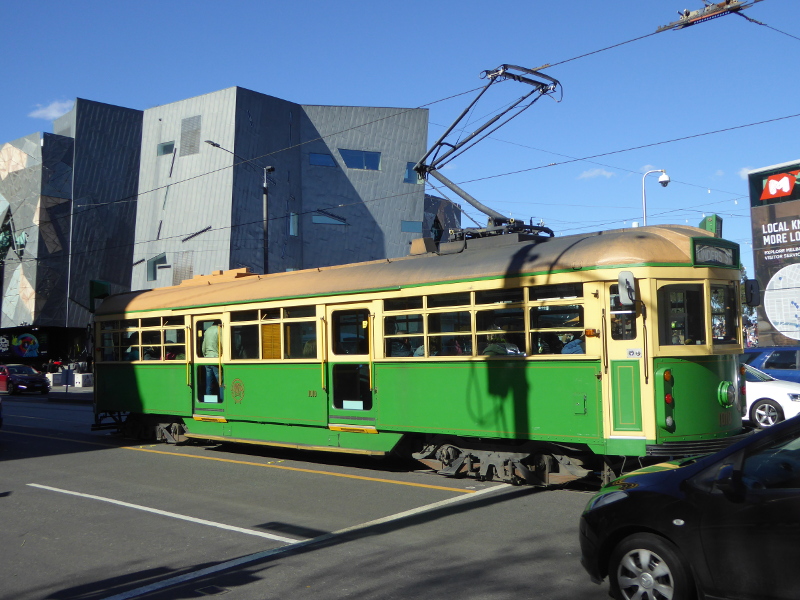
{"x":775,"y":216}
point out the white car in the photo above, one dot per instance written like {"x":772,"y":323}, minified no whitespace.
{"x":770,"y":400}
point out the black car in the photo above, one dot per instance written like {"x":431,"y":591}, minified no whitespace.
{"x":15,"y":379}
{"x":725,"y":525}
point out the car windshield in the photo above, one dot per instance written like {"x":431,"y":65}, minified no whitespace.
{"x":753,"y":375}
{"x":21,"y":370}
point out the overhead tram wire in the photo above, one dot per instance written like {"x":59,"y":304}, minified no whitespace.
{"x":134,"y":197}
{"x":767,"y":26}
{"x":661,"y":143}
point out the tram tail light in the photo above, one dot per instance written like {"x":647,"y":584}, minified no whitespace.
{"x":665,"y":401}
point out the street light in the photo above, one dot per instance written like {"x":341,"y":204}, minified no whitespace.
{"x":265,"y":207}
{"x":663,"y":180}
{"x":267,"y":169}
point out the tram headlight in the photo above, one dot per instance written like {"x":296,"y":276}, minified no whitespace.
{"x":726,"y":394}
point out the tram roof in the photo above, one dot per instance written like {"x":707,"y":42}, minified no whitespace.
{"x":662,"y":244}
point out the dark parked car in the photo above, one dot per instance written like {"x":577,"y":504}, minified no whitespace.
{"x":781,"y":362}
{"x":725,"y":525}
{"x":15,"y":379}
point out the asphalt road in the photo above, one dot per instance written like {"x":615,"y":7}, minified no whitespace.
{"x":92,"y":516}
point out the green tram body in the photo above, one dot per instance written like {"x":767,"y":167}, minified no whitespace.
{"x":658,"y":379}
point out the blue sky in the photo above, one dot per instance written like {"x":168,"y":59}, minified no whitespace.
{"x":721,"y":74}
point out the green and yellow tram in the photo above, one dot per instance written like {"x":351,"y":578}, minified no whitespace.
{"x":517,"y":357}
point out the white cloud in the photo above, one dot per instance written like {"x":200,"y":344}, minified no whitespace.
{"x":646,"y":168}
{"x":53,"y":110}
{"x":592,"y":173}
{"x":744,"y":171}
{"x":720,"y":173}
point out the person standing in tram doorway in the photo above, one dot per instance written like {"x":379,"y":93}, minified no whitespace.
{"x":211,"y":350}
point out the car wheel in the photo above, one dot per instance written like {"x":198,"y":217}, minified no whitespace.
{"x":12,"y":389}
{"x":765,"y":412}
{"x":648,"y":567}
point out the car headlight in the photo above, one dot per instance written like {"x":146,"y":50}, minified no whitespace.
{"x":602,"y":499}
{"x":794,"y":397}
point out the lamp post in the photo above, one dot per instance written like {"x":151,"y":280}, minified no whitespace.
{"x":267,"y":178}
{"x":663,"y":180}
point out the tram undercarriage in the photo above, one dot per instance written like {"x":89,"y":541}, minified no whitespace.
{"x":529,"y":463}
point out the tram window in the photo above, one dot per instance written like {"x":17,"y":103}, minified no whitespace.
{"x":244,"y":315}
{"x":174,"y":344}
{"x":558,"y":291}
{"x":456,"y":299}
{"x":681,"y":315}
{"x":202,"y":327}
{"x":271,"y":341}
{"x":405,"y":346}
{"x":402,"y":324}
{"x":502,"y":343}
{"x":129,"y":342}
{"x":552,"y":341}
{"x":298,"y":312}
{"x":152,"y":322}
{"x":450,"y":345}
{"x":173,"y":321}
{"x":503,"y":296}
{"x":128,"y":323}
{"x":268,"y":314}
{"x":501,"y":319}
{"x":623,"y":318}
{"x":301,"y":339}
{"x":557,"y":316}
{"x":724,"y":324}
{"x":412,"y":303}
{"x":244,"y":341}
{"x":107,"y":325}
{"x":351,"y":389}
{"x":350,"y":331}
{"x":449,"y":321}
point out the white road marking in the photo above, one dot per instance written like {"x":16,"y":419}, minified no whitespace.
{"x":173,"y":515}
{"x":293,"y":544}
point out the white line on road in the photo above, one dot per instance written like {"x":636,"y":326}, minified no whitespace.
{"x":154,"y":587}
{"x":165,"y":513}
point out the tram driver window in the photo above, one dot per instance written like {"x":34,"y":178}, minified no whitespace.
{"x":623,"y":318}
{"x":681,"y":315}
{"x":350,"y":331}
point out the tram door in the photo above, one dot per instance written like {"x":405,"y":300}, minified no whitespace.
{"x":208,"y":378}
{"x":350,"y":355}
{"x":624,"y":345}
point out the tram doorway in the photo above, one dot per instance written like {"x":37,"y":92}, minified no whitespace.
{"x":350,"y":354}
{"x":625,"y":348}
{"x":208,"y":379}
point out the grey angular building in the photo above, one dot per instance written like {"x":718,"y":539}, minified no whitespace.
{"x":68,"y":208}
{"x":342,"y":189}
{"x":230,"y":179}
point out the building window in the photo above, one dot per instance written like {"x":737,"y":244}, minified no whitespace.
{"x":294,"y":224}
{"x":411,"y":175}
{"x":190,"y":135}
{"x":411,"y":226}
{"x":165,"y":148}
{"x":361,"y":159}
{"x":321,"y":160}
{"x":152,"y":266}
{"x":324,"y":217}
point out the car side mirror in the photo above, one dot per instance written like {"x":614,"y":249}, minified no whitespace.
{"x":728,"y":482}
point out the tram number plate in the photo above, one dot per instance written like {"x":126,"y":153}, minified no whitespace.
{"x":725,"y":418}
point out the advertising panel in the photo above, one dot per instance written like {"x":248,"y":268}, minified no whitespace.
{"x":775,"y":215}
